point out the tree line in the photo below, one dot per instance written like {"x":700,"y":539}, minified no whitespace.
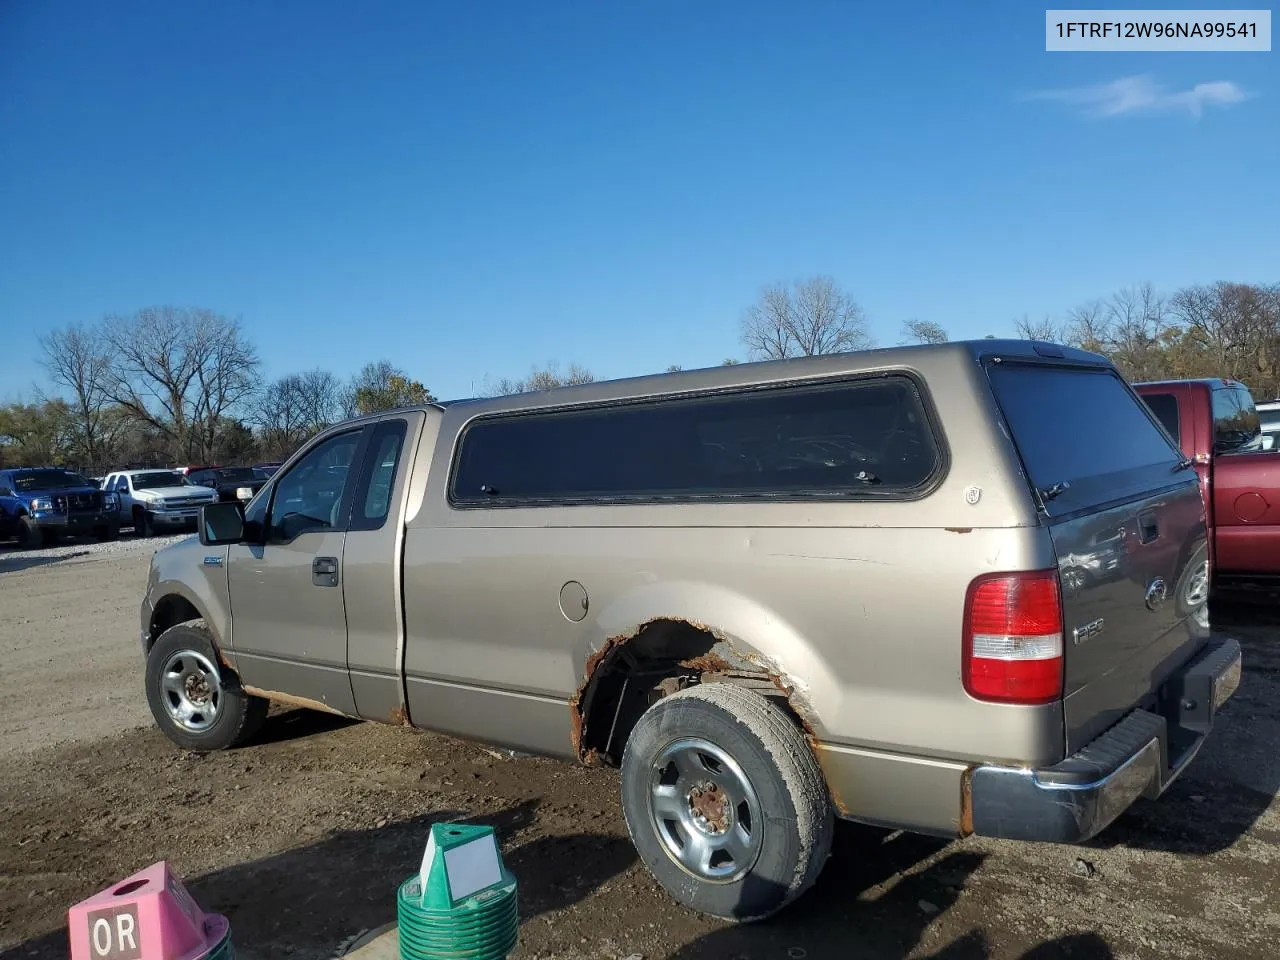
{"x":170,"y":385}
{"x":1222,"y":329}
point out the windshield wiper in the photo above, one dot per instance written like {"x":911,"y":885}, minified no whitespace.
{"x":1053,"y":492}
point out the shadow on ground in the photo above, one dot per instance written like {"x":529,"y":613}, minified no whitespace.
{"x":298,"y":724}
{"x":832,"y":923}
{"x":11,"y":564}
{"x":304,"y":901}
{"x":1235,"y":777}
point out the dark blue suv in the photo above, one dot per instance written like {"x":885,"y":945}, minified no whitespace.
{"x":38,"y":504}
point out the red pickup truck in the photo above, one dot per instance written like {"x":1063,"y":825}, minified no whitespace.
{"x":1216,"y":424}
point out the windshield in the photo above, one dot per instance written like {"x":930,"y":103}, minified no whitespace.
{"x":161,"y":478}
{"x":1269,"y":417}
{"x":236,"y":474}
{"x":48,"y":480}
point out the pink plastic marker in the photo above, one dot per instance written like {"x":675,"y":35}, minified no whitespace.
{"x":149,"y":916}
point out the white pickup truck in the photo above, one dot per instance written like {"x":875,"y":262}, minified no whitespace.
{"x":152,"y":499}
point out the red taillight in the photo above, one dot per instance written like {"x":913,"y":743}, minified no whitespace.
{"x":1013,"y":638}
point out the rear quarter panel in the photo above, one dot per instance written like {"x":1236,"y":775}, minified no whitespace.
{"x":858,"y":605}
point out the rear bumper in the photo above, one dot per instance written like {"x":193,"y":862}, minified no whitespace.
{"x":1140,"y":756}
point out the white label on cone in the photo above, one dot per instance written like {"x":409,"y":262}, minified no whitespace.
{"x":471,"y":867}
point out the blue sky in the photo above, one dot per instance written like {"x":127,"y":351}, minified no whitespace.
{"x":471,"y":188}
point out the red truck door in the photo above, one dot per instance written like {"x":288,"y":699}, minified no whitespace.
{"x":1245,"y":488}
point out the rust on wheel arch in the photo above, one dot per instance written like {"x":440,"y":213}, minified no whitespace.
{"x":723,"y":662}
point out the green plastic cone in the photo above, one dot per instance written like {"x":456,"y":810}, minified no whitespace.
{"x":442,"y":922}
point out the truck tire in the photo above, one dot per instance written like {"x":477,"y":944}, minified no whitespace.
{"x":107,"y":532}
{"x":197,"y":701}
{"x":30,"y":536}
{"x":1193,"y":588}
{"x":725,"y":802}
{"x":142,"y":525}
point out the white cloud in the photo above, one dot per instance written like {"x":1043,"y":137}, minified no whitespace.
{"x":1142,"y":94}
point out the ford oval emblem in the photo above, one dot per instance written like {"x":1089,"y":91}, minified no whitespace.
{"x":1156,"y":594}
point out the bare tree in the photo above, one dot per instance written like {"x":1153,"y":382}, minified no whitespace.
{"x":506,"y":387}
{"x":1043,"y":329}
{"x":923,"y":331}
{"x":1087,"y":327}
{"x":1236,"y":327}
{"x":320,"y":398}
{"x":807,"y":319}
{"x":224,"y":380}
{"x":544,"y":378}
{"x":76,"y":358}
{"x":1135,"y":324}
{"x":278,"y":412}
{"x":180,"y":372}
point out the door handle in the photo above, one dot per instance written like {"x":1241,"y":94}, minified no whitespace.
{"x":324,"y":571}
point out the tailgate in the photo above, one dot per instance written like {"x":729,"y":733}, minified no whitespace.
{"x":1128,"y":528}
{"x":1133,"y":584}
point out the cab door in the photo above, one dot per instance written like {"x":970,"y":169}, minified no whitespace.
{"x":289,"y":621}
{"x":124,"y":498}
{"x":371,"y":568}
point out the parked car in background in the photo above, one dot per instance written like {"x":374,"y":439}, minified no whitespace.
{"x":265,"y":470}
{"x":150,"y":500}
{"x":1218,"y":429}
{"x":767,"y":591}
{"x":41,"y":504}
{"x":232,"y":483}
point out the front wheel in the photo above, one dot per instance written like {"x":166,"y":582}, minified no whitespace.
{"x":725,"y":802}
{"x":142,"y":523}
{"x":197,"y":702}
{"x":30,"y":537}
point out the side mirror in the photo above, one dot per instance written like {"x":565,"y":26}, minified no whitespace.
{"x":221,"y":523}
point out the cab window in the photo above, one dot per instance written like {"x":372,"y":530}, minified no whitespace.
{"x":1235,"y":421}
{"x":310,"y":496}
{"x":1165,"y":407}
{"x":377,"y":484}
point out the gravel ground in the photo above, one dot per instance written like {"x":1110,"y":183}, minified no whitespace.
{"x":301,"y":837}
{"x":69,"y":652}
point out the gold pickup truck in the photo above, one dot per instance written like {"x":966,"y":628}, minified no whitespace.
{"x":950,"y":589}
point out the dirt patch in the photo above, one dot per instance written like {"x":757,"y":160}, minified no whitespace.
{"x":302,"y":837}
{"x":70,"y":657}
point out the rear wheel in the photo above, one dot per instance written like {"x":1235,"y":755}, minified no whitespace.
{"x":1192,"y":591}
{"x":106,"y":532}
{"x":196,"y":701}
{"x":725,"y":802}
